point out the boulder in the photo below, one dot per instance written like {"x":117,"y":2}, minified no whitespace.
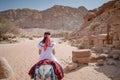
{"x":89,"y":16}
{"x":110,"y":55}
{"x":93,"y":57}
{"x":102,"y":56}
{"x":115,"y":54}
{"x":100,"y":62}
{"x":71,"y":66}
{"x":5,"y":69}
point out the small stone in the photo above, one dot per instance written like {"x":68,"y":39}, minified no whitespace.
{"x":115,"y":56}
{"x":100,"y":62}
{"x":71,"y":66}
{"x":111,"y":62}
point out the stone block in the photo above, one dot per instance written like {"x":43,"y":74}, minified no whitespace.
{"x":81,"y":53}
{"x":115,"y":54}
{"x":82,"y":60}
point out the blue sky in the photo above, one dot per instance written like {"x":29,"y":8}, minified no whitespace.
{"x":45,"y":4}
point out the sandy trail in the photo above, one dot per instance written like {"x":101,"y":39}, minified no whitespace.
{"x":24,"y":54}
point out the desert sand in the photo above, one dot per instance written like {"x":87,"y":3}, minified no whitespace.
{"x":23,"y":54}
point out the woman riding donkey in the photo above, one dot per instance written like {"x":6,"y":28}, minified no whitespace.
{"x":47,"y":60}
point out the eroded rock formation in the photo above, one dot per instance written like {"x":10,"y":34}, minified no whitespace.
{"x":100,"y":30}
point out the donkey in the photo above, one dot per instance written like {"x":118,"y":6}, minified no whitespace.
{"x":44,"y":72}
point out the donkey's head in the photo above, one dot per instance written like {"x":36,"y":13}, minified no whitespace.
{"x":44,"y":72}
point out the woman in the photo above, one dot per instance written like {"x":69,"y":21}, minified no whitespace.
{"x":47,"y":52}
{"x":46,"y":48}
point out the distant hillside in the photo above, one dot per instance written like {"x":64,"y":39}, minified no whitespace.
{"x":57,"y":17}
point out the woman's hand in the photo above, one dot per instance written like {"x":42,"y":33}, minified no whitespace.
{"x":54,"y":51}
{"x":39,"y":51}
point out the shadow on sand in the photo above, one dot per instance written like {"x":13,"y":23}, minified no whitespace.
{"x":112,"y":71}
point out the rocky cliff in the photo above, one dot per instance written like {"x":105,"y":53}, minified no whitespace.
{"x":57,"y":17}
{"x":101,"y":28}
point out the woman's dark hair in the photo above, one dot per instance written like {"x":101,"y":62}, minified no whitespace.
{"x":44,"y":39}
{"x":47,"y":33}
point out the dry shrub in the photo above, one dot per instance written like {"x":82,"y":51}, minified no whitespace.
{"x":30,"y":38}
{"x":7,"y":27}
{"x":94,"y":25}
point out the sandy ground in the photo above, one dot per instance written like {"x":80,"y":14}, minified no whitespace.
{"x":22,"y":55}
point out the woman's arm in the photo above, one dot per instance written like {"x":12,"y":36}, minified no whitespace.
{"x":54,"y":51}
{"x":39,"y":51}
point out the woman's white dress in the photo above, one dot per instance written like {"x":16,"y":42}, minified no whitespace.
{"x":48,"y":54}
